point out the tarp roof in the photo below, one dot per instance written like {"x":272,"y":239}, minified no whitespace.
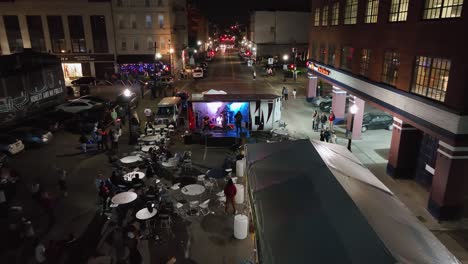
{"x":316,"y":203}
{"x":232,"y":97}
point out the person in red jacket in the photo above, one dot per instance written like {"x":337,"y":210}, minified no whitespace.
{"x":230,"y":191}
{"x":331,"y":119}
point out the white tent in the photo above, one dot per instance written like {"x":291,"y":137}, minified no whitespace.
{"x":213,"y":91}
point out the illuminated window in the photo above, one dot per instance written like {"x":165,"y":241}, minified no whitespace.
{"x":331,"y":54}
{"x":149,"y":21}
{"x":372,"y":11}
{"x":435,"y":9}
{"x":317,"y":17}
{"x":347,"y":58}
{"x":351,"y":12}
{"x":431,"y":77}
{"x":325,"y":16}
{"x":161,"y":20}
{"x":390,"y":67}
{"x":398,"y":10}
{"x":335,"y":14}
{"x":365,"y":61}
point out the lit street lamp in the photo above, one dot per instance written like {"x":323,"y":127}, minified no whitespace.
{"x":127,"y":93}
{"x":199,"y":43}
{"x":353,"y":110}
{"x":285,"y":57}
{"x":158,"y":56}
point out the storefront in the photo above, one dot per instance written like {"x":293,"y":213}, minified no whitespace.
{"x":75,"y":66}
{"x":140,"y":65}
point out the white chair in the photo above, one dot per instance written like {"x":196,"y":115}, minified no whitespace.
{"x":193,"y":205}
{"x":201,"y":177}
{"x":175,"y":186}
{"x":204,"y":208}
{"x":149,"y":131}
{"x":221,"y":194}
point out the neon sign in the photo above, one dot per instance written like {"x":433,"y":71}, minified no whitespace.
{"x":314,"y":67}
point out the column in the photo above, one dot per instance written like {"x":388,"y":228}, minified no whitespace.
{"x":360,"y":104}
{"x":24,"y":31}
{"x":3,"y":39}
{"x":338,"y":103}
{"x":66,"y":31}
{"x":404,"y":149}
{"x":449,"y":184}
{"x":312,"y":87}
{"x":88,"y":33}
{"x":45,"y":27}
{"x":92,"y":68}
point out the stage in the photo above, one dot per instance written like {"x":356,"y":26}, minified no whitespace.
{"x":219,"y":138}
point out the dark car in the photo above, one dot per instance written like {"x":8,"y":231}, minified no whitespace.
{"x":377,"y":120}
{"x":326,"y":106}
{"x":85,"y":121}
{"x":86,"y":80}
{"x":95,"y":98}
{"x":32,"y":136}
{"x":50,"y":121}
{"x":123,"y":100}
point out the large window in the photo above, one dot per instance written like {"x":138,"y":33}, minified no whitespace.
{"x":13,"y":32}
{"x":133,"y":22}
{"x":150,"y":43}
{"x":121,"y":21}
{"x":323,"y":52}
{"x":390,"y":67}
{"x":98,"y":28}
{"x":325,"y":16}
{"x":161,"y":20}
{"x":435,"y":9}
{"x":36,"y":33}
{"x":365,"y":61}
{"x":136,"y":45}
{"x":331,"y":54}
{"x":77,"y":36}
{"x":351,"y":9}
{"x":347,"y":58}
{"x":317,"y":17}
{"x":431,"y":77}
{"x":372,"y":11}
{"x":149,"y":21}
{"x":398,"y":10}
{"x":335,"y":14}
{"x":57,"y":35}
{"x":123,"y":44}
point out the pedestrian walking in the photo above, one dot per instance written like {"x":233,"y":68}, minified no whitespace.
{"x":104,"y":194}
{"x":254,"y":75}
{"x":314,"y":120}
{"x":105,"y":138}
{"x":99,"y":141}
{"x":323,"y":121}
{"x":84,"y":143}
{"x":116,"y":133}
{"x":327,"y":134}
{"x":333,"y":138}
{"x":122,"y":114}
{"x":322,"y":135}
{"x":238,"y":119}
{"x":331,"y":120}
{"x":285,"y":93}
{"x":294,"y":93}
{"x":230,"y":192}
{"x":142,"y":90}
{"x":317,"y":121}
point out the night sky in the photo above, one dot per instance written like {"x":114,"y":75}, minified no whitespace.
{"x":226,"y":12}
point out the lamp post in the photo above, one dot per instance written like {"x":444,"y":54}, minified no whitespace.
{"x":171,"y":51}
{"x":127,"y":93}
{"x":353,"y":110}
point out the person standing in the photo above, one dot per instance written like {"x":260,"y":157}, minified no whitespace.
{"x":99,"y":141}
{"x":84,"y":142}
{"x":114,"y":115}
{"x":230,"y":192}
{"x":323,"y":121}
{"x":327,"y":135}
{"x":238,"y":118}
{"x":254,"y":75}
{"x":148,"y":114}
{"x":116,"y":133}
{"x":333,"y":138}
{"x":105,"y":138}
{"x":331,"y":120}
{"x":294,"y":93}
{"x":314,"y":120}
{"x":142,"y":89}
{"x":285,"y":93}
{"x":62,"y":181}
{"x":322,"y":135}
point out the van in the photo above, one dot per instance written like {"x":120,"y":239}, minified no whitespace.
{"x":168,"y":111}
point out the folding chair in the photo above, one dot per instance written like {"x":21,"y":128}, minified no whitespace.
{"x":201,"y":177}
{"x":204,"y":208}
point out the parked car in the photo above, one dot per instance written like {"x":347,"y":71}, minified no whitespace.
{"x":123,"y":100}
{"x":77,"y":105}
{"x":198,"y":73}
{"x":95,"y":98}
{"x":32,"y":136}
{"x":168,"y":111}
{"x":50,"y":121}
{"x":376,"y":120}
{"x":85,"y":121}
{"x":10,"y":145}
{"x":326,"y":106}
{"x":319,"y":100}
{"x":84,"y":80}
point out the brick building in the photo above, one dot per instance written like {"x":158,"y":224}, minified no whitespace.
{"x":407,"y":58}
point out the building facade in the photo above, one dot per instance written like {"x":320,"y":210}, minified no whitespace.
{"x":277,"y":32}
{"x":80,"y":32}
{"x":407,"y":58}
{"x":94,"y":37}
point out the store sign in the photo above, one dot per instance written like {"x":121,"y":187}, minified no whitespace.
{"x":46,"y":94}
{"x":314,"y":67}
{"x":70,"y":58}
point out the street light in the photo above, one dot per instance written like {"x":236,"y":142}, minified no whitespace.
{"x":285,"y":57}
{"x":195,"y":51}
{"x":158,"y":56}
{"x":353,"y":110}
{"x":171,"y":51}
{"x":199,"y":43}
{"x":127,"y":93}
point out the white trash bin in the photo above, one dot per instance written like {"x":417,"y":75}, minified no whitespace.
{"x":241,"y":226}
{"x":239,"y":198}
{"x":240,"y":167}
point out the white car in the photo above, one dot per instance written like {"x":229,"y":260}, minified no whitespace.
{"x":197,"y":73}
{"x":77,"y":105}
{"x":10,"y":145}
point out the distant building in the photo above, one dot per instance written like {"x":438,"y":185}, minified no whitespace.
{"x":408,"y":58}
{"x":278,"y":32}
{"x":198,"y":26}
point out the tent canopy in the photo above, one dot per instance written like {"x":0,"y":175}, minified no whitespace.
{"x":316,"y":203}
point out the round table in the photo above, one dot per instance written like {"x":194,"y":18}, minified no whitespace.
{"x":193,"y":189}
{"x":160,"y":126}
{"x":130,"y":159}
{"x":134,"y":174}
{"x":151,"y":138}
{"x":124,"y":198}
{"x":147,"y":148}
{"x":144,"y":214}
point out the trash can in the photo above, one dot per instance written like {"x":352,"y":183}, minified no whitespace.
{"x":241,"y":226}
{"x":239,"y":198}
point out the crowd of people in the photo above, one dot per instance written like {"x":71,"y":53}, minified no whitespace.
{"x":325,"y":125}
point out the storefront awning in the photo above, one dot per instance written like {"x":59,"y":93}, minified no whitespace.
{"x":137,"y":58}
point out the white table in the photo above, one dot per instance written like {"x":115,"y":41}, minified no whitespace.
{"x":151,"y":138}
{"x":124,"y":198}
{"x":161,"y":126}
{"x":193,"y":189}
{"x":144,"y":214}
{"x":130,"y":159}
{"x":135,"y":174}
{"x":147,"y":148}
